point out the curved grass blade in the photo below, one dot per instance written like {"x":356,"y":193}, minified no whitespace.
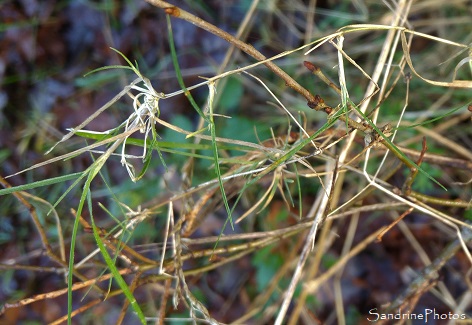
{"x":178,"y":73}
{"x":111,"y":265}
{"x":215,"y":153}
{"x":130,"y":66}
{"x":91,"y":172}
{"x":95,"y":114}
{"x":293,"y":151}
{"x":108,"y":67}
{"x":397,"y":152}
{"x":45,"y":182}
{"x":211,"y":122}
{"x":434,"y":119}
{"x":164,"y":145}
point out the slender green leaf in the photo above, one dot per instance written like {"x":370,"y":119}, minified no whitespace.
{"x":436,"y":118}
{"x":397,"y":151}
{"x":155,"y":145}
{"x":293,"y":151}
{"x":46,"y":182}
{"x":300,"y":196}
{"x":116,"y":274}
{"x":132,"y":67}
{"x":210,"y":121}
{"x":162,"y":145}
{"x":218,"y":171}
{"x":74,"y":184}
{"x":178,"y":73}
{"x":107,"y":68}
{"x":91,"y":172}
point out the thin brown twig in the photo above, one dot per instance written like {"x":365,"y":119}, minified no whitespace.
{"x":436,"y":159}
{"x":116,"y":245}
{"x":443,"y":202}
{"x":42,"y":233}
{"x":356,"y":125}
{"x":37,"y":223}
{"x":57,"y":293}
{"x":77,"y":311}
{"x":414,"y":171}
{"x":126,"y":304}
{"x":162,"y":308}
{"x":393,"y":224}
{"x":313,"y":285}
{"x":247,"y":48}
{"x":263,"y":297}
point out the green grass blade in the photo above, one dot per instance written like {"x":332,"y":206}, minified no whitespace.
{"x":397,"y":151}
{"x":199,"y":111}
{"x":300,"y":196}
{"x":131,"y":66}
{"x":436,"y":118}
{"x":178,"y":73}
{"x":72,"y":248}
{"x":277,"y":163}
{"x":162,"y":145}
{"x":111,"y":265}
{"x":218,"y":171}
{"x":293,"y":151}
{"x":91,"y":172}
{"x":155,"y":145}
{"x":74,"y":184}
{"x":46,"y":182}
{"x":107,"y":68}
{"x":148,"y":158}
